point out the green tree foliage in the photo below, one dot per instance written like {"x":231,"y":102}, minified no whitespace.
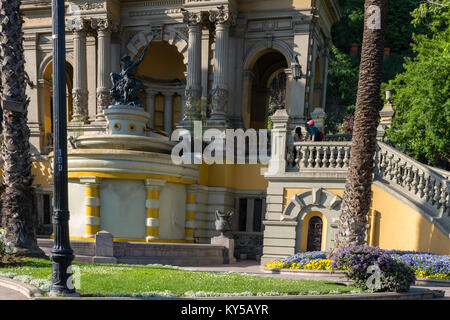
{"x":344,"y":70}
{"x":421,"y":125}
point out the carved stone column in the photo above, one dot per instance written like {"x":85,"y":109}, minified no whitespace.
{"x":104,"y":28}
{"x":79,"y":91}
{"x":223,"y":19}
{"x":150,"y":106}
{"x":168,"y":112}
{"x":194,"y":74}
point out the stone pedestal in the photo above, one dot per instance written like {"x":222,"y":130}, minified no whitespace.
{"x":228,"y":243}
{"x":125,"y":119}
{"x":104,"y":248}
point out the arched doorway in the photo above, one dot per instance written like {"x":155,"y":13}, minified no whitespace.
{"x":163,"y":71}
{"x":268,"y":89}
{"x":315,"y":229}
{"x":47,"y":98}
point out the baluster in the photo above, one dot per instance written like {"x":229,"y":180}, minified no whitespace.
{"x":421,"y":185}
{"x":388,"y":167}
{"x":332,"y":157}
{"x":326,"y":161}
{"x":384,"y":164}
{"x":398,"y":172}
{"x":437,"y":194}
{"x":299,"y":156}
{"x":426,"y":190}
{"x":442,"y":196}
{"x":431,"y":185}
{"x":346,"y":156}
{"x":311,"y":157}
{"x":318,"y":160}
{"x":305,"y":157}
{"x":410,"y":178}
{"x":415,"y":182}
{"x":340,"y":160}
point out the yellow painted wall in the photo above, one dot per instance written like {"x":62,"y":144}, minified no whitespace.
{"x":236,"y":176}
{"x":41,"y":172}
{"x":398,"y":225}
{"x":162,"y":61}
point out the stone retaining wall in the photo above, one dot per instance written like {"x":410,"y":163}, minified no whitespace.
{"x":178,"y":254}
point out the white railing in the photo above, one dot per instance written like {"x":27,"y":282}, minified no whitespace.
{"x":323,"y":155}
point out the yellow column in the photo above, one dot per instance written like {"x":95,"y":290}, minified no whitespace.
{"x":152,"y":208}
{"x":190,"y":213}
{"x":92,"y":203}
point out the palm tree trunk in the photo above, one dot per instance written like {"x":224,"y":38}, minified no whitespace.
{"x":17,"y":213}
{"x":357,"y":195}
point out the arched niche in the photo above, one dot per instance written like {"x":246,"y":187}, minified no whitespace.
{"x":322,"y":203}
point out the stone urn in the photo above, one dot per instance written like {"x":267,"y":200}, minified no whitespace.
{"x":223,"y":222}
{"x":126,"y":119}
{"x":223,"y":225}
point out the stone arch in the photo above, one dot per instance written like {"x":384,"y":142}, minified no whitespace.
{"x":48,"y":59}
{"x":45,"y":101}
{"x":260,"y":48}
{"x":171,"y":35}
{"x":316,"y":199}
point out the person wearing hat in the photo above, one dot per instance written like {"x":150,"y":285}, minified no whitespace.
{"x":313,"y":131}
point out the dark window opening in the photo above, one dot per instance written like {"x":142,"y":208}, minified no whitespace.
{"x":314,"y":234}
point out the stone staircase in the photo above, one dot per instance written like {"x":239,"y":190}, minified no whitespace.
{"x":426,"y":188}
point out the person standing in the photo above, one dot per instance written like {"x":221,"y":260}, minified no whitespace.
{"x":313,"y":131}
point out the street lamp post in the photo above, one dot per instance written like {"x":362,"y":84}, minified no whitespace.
{"x":62,"y":253}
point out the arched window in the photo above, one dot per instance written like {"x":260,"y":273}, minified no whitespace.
{"x":315,"y":226}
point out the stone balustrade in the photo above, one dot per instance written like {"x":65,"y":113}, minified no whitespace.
{"x":414,"y":179}
{"x":323,"y":155}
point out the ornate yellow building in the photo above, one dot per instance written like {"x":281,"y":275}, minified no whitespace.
{"x":216,"y":60}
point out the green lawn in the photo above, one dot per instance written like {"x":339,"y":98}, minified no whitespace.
{"x":138,"y":280}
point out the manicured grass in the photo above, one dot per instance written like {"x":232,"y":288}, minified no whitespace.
{"x":136,"y":279}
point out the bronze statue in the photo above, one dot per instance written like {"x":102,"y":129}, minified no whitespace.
{"x":125,"y":85}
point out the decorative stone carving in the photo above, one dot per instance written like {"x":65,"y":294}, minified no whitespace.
{"x":79,"y":102}
{"x":222,"y":15}
{"x":219,"y":100}
{"x":193,"y":18}
{"x":103,"y":24}
{"x":193,"y":104}
{"x":76,"y":24}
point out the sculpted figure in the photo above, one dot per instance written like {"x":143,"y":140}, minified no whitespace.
{"x":125,"y":85}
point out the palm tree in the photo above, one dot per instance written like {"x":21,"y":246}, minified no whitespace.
{"x":17,"y":211}
{"x":357,"y":195}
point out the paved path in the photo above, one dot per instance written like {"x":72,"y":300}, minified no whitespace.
{"x":8,"y":294}
{"x":251,"y":267}
{"x":248,"y":267}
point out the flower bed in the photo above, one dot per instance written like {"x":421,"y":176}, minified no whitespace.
{"x":424,"y":264}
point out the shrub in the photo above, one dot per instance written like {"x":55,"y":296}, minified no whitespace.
{"x":7,"y":249}
{"x":358,"y":261}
